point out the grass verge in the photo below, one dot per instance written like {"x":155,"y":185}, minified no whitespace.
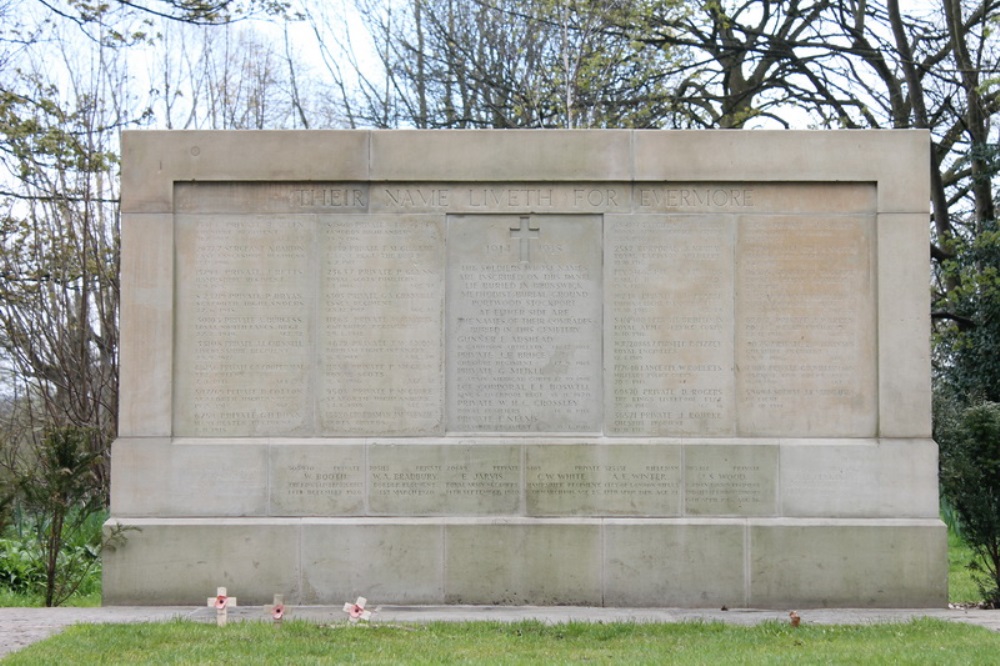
{"x":182,"y":642}
{"x":962,"y":588}
{"x":10,"y":599}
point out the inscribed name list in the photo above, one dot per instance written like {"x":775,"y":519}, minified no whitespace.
{"x":805,"y":339}
{"x":669,"y":319}
{"x":243,"y":325}
{"x":524,"y":321}
{"x":382,"y":309}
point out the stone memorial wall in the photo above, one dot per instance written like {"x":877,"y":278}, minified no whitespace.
{"x":590,"y":367}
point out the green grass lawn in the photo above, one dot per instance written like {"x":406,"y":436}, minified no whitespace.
{"x":9,"y":599}
{"x":962,"y":588}
{"x":299,"y":642}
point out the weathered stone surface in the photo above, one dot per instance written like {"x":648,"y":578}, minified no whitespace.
{"x":603,"y":480}
{"x":736,"y":480}
{"x":156,"y":477}
{"x":805,"y":337}
{"x":315,"y":480}
{"x":687,"y":564}
{"x":819,"y":564}
{"x":444,"y":480}
{"x":524,"y":323}
{"x":523,"y":564}
{"x":344,"y":560}
{"x":669,"y":324}
{"x":174,"y":562}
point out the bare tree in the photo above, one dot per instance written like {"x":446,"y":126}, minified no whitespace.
{"x":59,"y":240}
{"x":229,"y":77}
{"x":497,"y":63}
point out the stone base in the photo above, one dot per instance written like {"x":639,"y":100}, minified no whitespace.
{"x":619,"y":562}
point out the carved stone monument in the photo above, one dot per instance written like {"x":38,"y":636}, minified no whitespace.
{"x":621,"y":368}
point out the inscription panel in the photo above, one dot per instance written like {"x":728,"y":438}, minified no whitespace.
{"x":429,"y":480}
{"x":382,"y":368}
{"x":805,"y":343}
{"x":244,"y":325}
{"x":311,"y":480}
{"x":524,"y":322}
{"x":725,"y":480}
{"x":668,"y":325}
{"x":320,"y":318}
{"x":602,"y":480}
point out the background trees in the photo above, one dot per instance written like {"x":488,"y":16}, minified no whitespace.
{"x":498,"y":64}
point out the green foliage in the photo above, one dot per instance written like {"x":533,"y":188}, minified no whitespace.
{"x":22,"y":568}
{"x":967,"y":337}
{"x":969,"y":354}
{"x":60,"y":496}
{"x":970,"y":482}
{"x":23,"y":559}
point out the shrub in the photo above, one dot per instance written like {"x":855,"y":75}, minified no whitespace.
{"x":60,"y":495}
{"x":970,"y":483}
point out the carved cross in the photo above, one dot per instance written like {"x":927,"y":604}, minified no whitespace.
{"x":525,"y":233}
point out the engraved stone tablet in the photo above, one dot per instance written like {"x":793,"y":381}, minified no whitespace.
{"x":806,"y":336}
{"x":309,"y":480}
{"x":669,"y":320}
{"x":730,"y":480}
{"x":524,"y":319}
{"x":382,"y":311}
{"x":420,"y":480}
{"x":603,"y":480}
{"x":244,"y":325}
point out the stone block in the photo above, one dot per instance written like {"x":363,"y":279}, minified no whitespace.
{"x":566,"y":155}
{"x":521,"y":563}
{"x":904,"y":356}
{"x":147,"y":313}
{"x":861,"y":479}
{"x":895,"y":161}
{"x":384,"y":561}
{"x":669,"y":322}
{"x":181,"y":563}
{"x":524,"y":318}
{"x":380,"y":317}
{"x":316,"y":479}
{"x":157,"y":477}
{"x":867,"y":564}
{"x":158,"y":159}
{"x":806,"y":344}
{"x":684,"y":563}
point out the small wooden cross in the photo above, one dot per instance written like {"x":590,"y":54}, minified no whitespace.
{"x":357,"y":611}
{"x":277,"y":609}
{"x":221,"y":602}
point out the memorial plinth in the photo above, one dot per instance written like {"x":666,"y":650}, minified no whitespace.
{"x":626,"y":368}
